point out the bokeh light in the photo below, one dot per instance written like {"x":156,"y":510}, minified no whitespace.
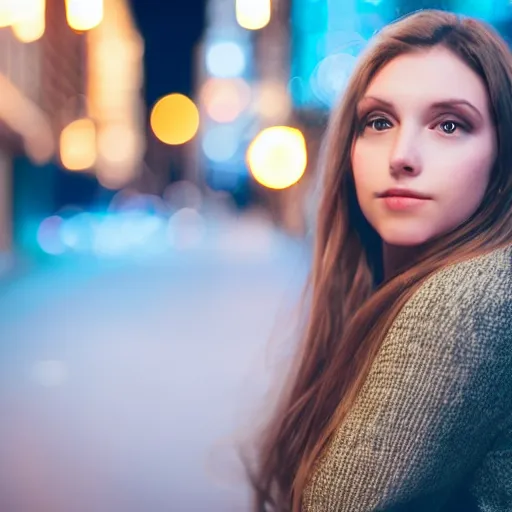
{"x":129,"y":200}
{"x":118,"y":143}
{"x":185,"y":228}
{"x":253,"y":14}
{"x":183,"y":194}
{"x":174,"y":119}
{"x":277,"y":157}
{"x":129,"y":233}
{"x":331,"y":76}
{"x":220,"y":143}
{"x":84,"y":14}
{"x":225,"y":99}
{"x":272,"y":101}
{"x":78,"y":145}
{"x":77,"y":232}
{"x":29,"y":25}
{"x":49,"y":236}
{"x":225,"y":60}
{"x":8,"y":13}
{"x":118,"y":148}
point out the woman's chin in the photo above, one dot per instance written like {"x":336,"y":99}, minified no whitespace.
{"x":404,"y":238}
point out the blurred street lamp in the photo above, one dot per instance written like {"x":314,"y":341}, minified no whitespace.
{"x":114,"y":80}
{"x":84,"y":15}
{"x":78,"y":145}
{"x":7,"y":13}
{"x":277,"y":157}
{"x":174,"y":119}
{"x":118,"y":149}
{"x":29,"y":25}
{"x":253,"y":14}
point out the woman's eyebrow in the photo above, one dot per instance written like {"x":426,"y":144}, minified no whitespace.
{"x":373,"y":100}
{"x":456,"y":102}
{"x":438,"y":105}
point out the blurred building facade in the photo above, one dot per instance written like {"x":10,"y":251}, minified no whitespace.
{"x":25,"y":124}
{"x":54,"y":73}
{"x":225,"y":71}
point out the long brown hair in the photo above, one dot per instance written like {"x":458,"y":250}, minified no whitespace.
{"x":350,"y":307}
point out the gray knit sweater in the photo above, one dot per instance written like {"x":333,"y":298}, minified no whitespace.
{"x":431,"y":429}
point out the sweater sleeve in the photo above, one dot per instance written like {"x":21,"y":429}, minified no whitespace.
{"x":434,"y":403}
{"x":491,"y":486}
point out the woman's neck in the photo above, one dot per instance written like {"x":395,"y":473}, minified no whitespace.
{"x":398,"y":258}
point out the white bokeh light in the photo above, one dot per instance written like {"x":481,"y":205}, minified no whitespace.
{"x":225,"y":60}
{"x":220,"y":143}
{"x":48,"y":235}
{"x":331,"y":77}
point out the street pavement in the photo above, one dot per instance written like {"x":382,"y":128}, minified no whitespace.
{"x":125,"y":384}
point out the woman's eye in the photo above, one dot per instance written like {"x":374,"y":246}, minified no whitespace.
{"x":450,"y":127}
{"x":378,"y":124}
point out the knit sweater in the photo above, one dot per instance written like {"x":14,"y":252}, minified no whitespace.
{"x":431,"y":429}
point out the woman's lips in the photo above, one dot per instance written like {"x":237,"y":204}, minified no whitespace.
{"x":398,"y":203}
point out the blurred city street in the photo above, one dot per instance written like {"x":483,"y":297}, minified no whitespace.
{"x":122,"y":383}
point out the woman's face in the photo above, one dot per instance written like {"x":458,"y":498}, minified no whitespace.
{"x":426,"y":130}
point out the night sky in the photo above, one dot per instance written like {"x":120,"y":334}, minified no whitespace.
{"x":171,"y":29}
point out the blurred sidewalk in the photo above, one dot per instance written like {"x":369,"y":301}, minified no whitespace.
{"x":120,"y":380}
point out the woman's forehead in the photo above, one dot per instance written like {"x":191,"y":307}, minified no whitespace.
{"x":428,"y":76}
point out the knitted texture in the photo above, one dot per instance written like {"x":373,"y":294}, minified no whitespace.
{"x":431,"y":429}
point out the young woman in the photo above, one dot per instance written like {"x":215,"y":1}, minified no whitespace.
{"x":402,"y":395}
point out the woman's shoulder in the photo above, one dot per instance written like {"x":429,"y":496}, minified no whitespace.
{"x":467,"y":304}
{"x":476,"y":283}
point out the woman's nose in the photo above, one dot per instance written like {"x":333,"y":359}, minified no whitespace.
{"x":405,"y":155}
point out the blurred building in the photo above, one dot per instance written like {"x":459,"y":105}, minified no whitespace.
{"x":25,"y":127}
{"x":224,"y":82}
{"x":70,"y":81}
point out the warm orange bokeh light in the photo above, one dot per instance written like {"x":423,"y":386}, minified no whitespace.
{"x":78,"y":145}
{"x":174,"y":119}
